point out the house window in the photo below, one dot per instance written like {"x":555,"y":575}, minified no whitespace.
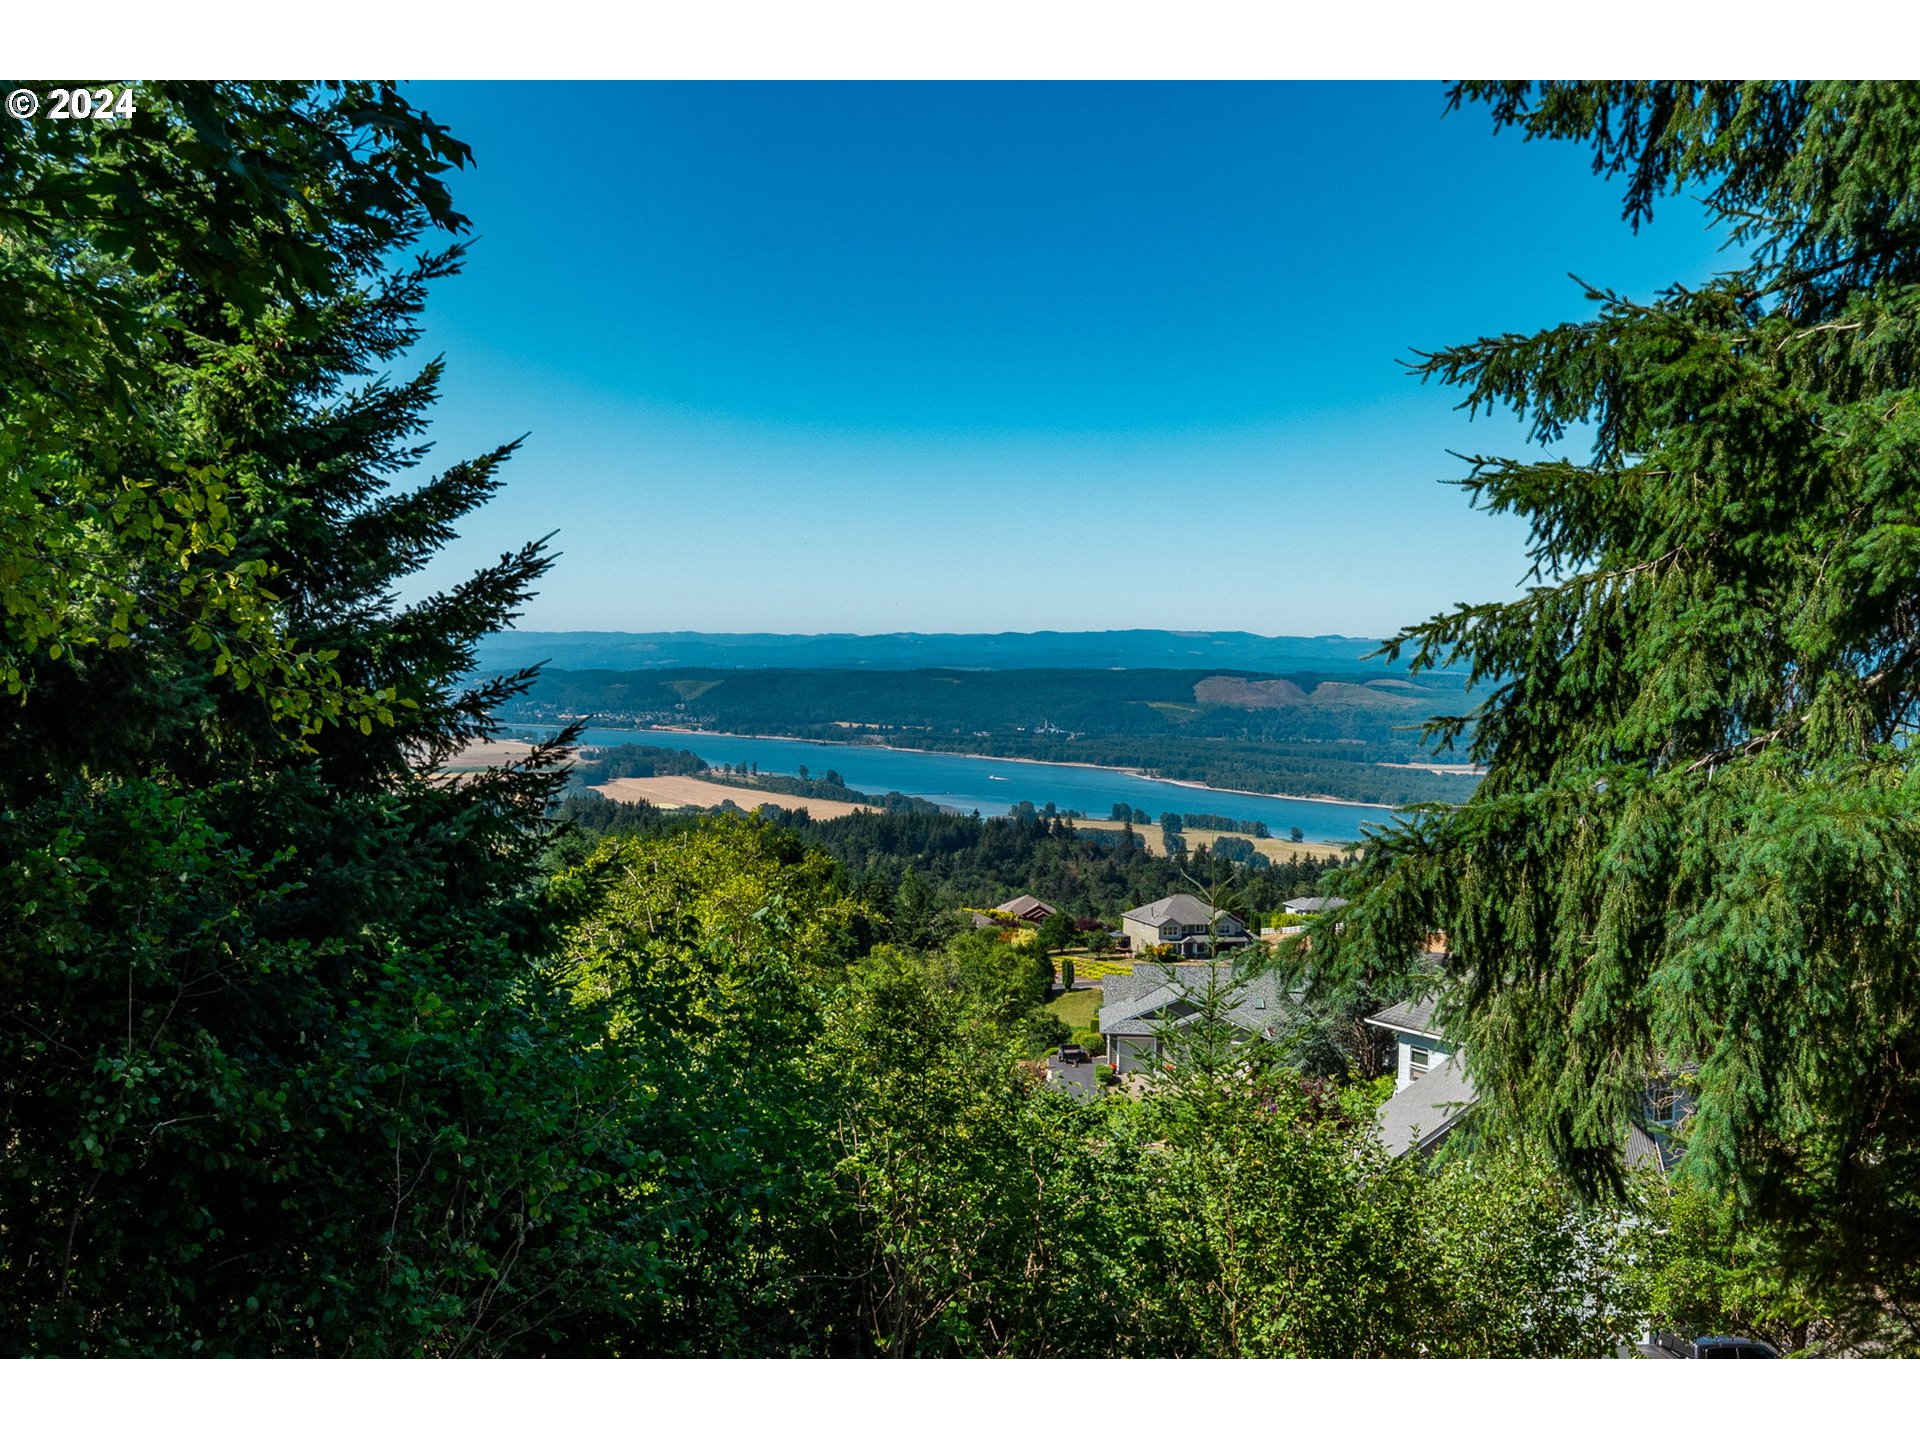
{"x":1663,"y":1107}
{"x":1418,"y":1061}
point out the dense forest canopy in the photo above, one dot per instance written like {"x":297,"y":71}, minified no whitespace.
{"x":963,"y":861}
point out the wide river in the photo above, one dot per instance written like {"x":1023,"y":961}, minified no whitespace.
{"x":993,"y":787}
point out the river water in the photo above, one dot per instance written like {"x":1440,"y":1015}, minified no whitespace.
{"x":993,"y":787}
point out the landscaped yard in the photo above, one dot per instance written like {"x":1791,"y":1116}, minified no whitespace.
{"x":1089,"y":966}
{"x":1079,"y":1008}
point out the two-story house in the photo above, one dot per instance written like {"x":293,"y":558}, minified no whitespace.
{"x":1192,"y":927}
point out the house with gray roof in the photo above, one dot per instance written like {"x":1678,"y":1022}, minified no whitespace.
{"x":1185,"y":922}
{"x":1140,"y":1009}
{"x":1433,"y":1092}
{"x":1313,"y":904}
{"x":1421,"y":1115}
{"x":1417,"y":1041}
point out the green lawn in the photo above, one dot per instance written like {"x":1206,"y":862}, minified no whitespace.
{"x":1079,"y":1008}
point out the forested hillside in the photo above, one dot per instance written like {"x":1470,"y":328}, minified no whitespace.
{"x":962,"y":860}
{"x":1308,"y":733}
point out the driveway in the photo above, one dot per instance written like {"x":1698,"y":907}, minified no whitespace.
{"x":1076,"y":1078}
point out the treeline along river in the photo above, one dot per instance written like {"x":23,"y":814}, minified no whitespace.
{"x":993,"y":787}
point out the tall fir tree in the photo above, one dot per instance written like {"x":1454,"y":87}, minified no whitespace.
{"x":282,"y":1062}
{"x":1696,"y":848}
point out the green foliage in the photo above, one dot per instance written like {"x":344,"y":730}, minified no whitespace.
{"x":1708,"y":1274}
{"x":708,"y":958}
{"x":1240,"y":851}
{"x":614,"y":761}
{"x":1057,"y":932}
{"x":988,"y":1220}
{"x":286,"y":1070}
{"x":1696,"y":844}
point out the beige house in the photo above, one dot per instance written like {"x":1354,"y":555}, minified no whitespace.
{"x":1193,"y":927}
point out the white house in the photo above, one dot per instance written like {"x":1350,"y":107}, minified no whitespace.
{"x":1418,"y":1043}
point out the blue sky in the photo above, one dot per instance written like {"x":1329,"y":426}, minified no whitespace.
{"x":878,"y":357}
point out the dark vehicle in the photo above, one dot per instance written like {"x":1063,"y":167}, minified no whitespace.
{"x":1717,"y":1347}
{"x":1074,"y":1055}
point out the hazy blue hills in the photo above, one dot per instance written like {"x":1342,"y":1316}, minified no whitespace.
{"x":1040,"y":650}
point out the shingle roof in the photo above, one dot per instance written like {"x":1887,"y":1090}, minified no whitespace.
{"x":1181,"y":909}
{"x":1020,"y":904}
{"x":1312,"y":904}
{"x":1413,"y":1016}
{"x":1158,"y":995}
{"x":1419,"y":1117}
{"x":1643,"y":1152}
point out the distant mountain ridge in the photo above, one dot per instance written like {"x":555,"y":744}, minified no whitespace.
{"x":1007,"y":650}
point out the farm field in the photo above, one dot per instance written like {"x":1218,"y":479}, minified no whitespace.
{"x":485,"y":754}
{"x":1273,"y":849}
{"x":675,"y":791}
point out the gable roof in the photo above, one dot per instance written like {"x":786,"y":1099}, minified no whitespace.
{"x":1022,"y":904}
{"x":1312,"y":904}
{"x":1643,"y":1151}
{"x":1415,"y":1017}
{"x":1160,"y":995}
{"x":1180,"y":910}
{"x":1419,"y":1117}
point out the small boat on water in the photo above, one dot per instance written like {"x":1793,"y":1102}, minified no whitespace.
{"x":1001,"y":778}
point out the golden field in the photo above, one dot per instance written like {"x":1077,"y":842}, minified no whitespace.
{"x":671,"y":792}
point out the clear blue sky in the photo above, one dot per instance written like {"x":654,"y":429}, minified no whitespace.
{"x":998,"y":356}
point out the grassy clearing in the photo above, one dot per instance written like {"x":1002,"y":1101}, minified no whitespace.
{"x":1078,"y":1008}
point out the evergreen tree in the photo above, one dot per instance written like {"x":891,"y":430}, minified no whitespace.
{"x":283,"y":1069}
{"x":1696,"y":846}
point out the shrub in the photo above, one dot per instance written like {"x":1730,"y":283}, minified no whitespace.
{"x":1092,"y":1041}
